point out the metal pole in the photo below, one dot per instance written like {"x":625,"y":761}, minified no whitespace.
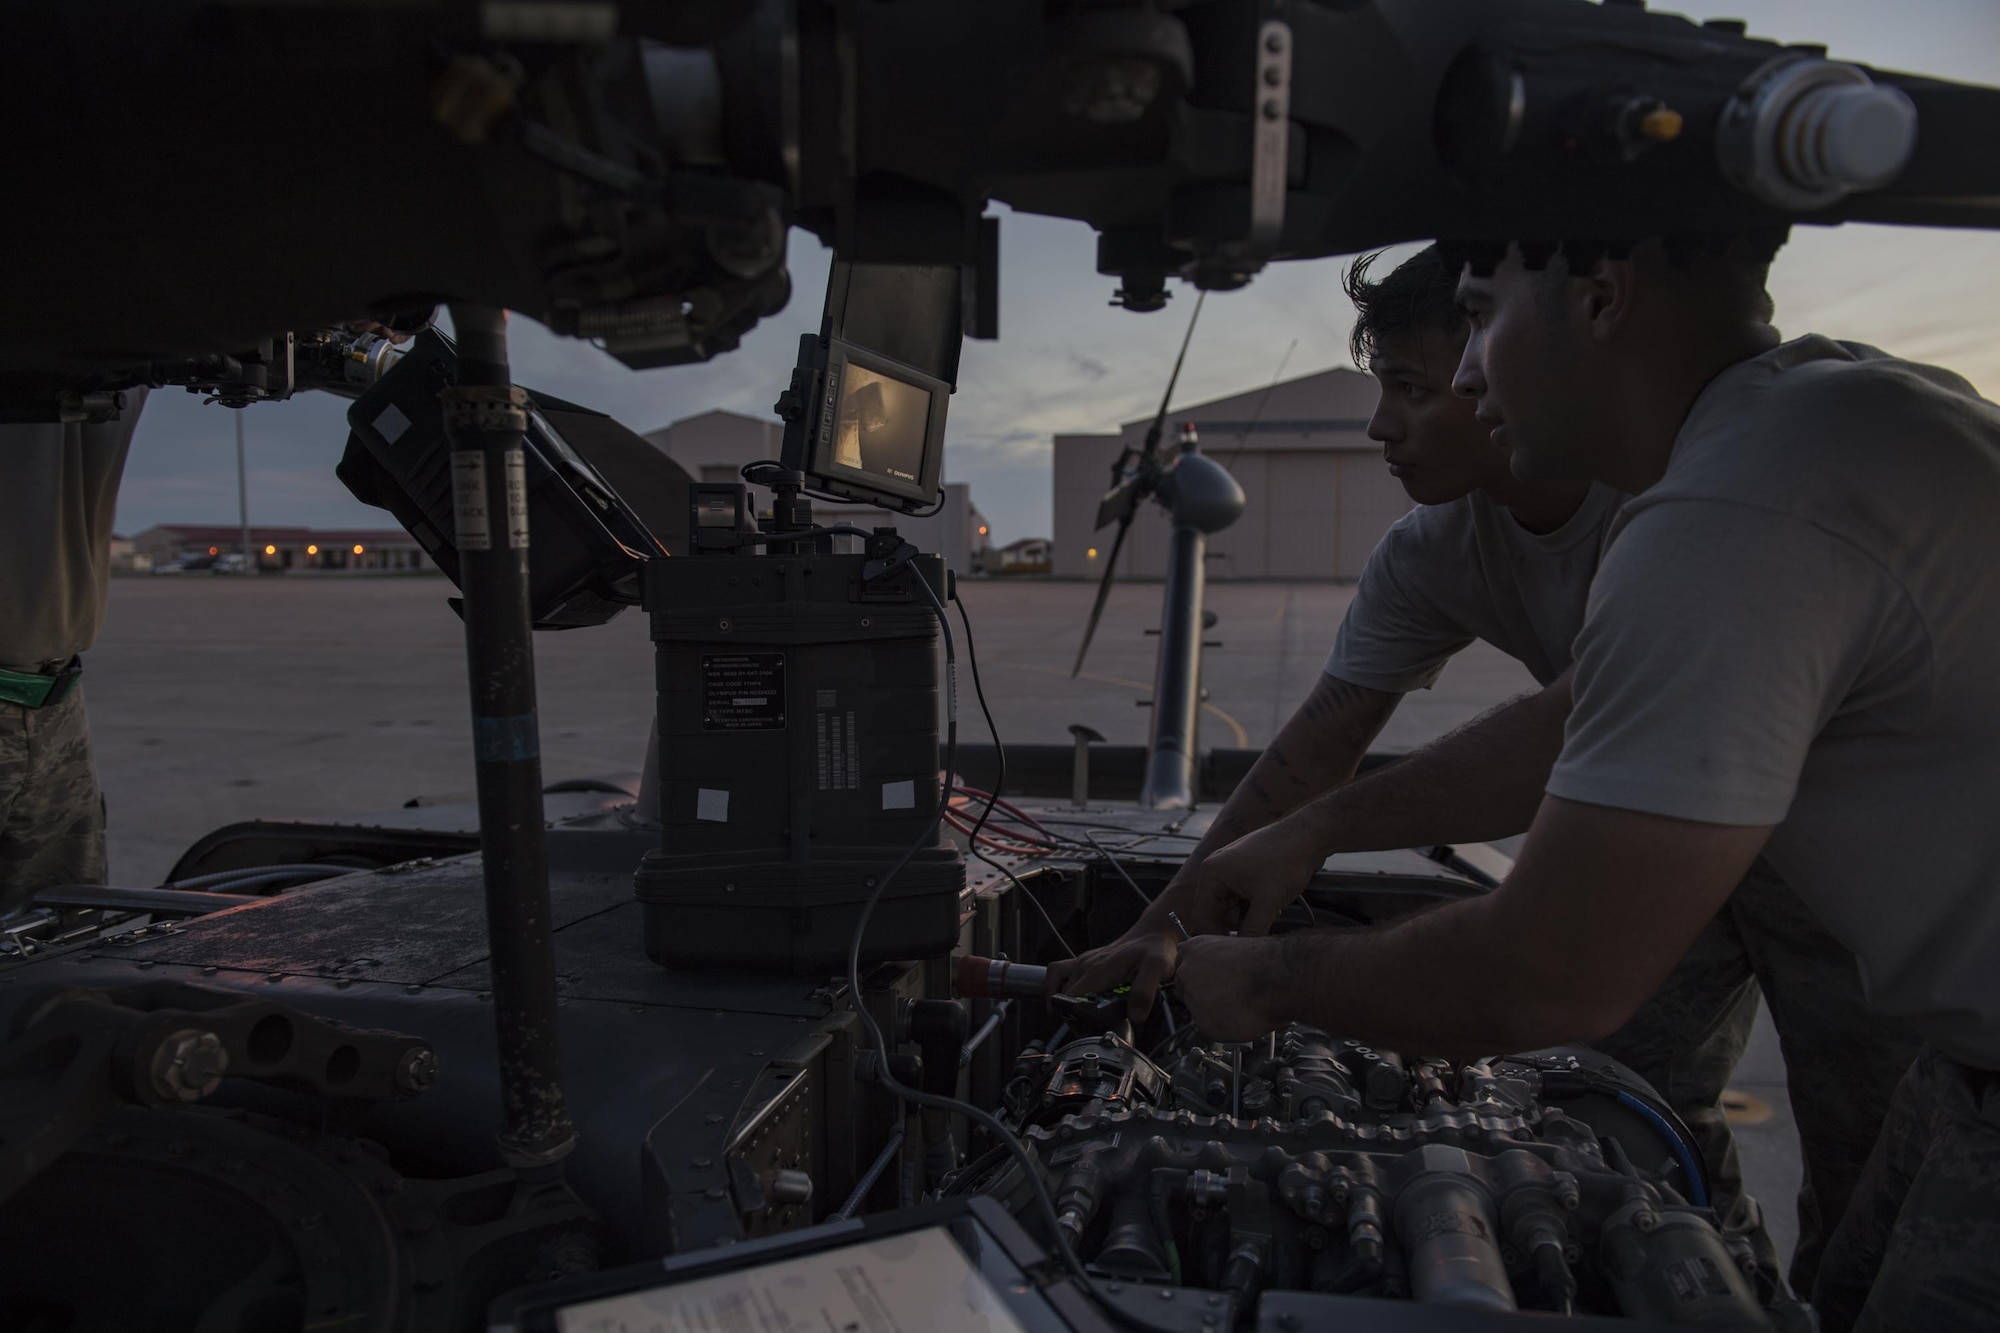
{"x":1170,"y":746}
{"x":485,"y":417}
{"x":1202,"y":498}
{"x":243,"y":498}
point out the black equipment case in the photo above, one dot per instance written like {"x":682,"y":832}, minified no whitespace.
{"x":798,"y":744}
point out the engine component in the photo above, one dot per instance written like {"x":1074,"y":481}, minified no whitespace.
{"x":78,"y":1054}
{"x":1308,"y":1163}
{"x":1445,"y":1221}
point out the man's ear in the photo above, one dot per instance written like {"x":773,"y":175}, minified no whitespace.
{"x":1607,"y":293}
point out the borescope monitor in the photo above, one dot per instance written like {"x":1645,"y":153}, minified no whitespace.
{"x":880,"y":433}
{"x":873,"y":387}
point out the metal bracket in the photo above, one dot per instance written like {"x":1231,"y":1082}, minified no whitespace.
{"x":1270,"y":135}
{"x":80,"y":1053}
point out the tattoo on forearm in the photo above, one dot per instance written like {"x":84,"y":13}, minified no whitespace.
{"x":1313,"y":752}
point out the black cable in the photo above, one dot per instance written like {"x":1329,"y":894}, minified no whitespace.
{"x":1113,"y":862}
{"x":1055,"y":931}
{"x":999,"y":781}
{"x":872,"y":1031}
{"x":979,"y":693}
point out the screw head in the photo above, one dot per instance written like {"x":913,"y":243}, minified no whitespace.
{"x":188,"y":1065}
{"x":417,"y":1070}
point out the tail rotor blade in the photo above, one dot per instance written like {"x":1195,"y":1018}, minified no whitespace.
{"x":1103,"y":592}
{"x":1128,"y":489}
{"x":1167,"y":398}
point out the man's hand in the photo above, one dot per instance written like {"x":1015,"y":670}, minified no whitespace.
{"x":1247,"y":884}
{"x":1143,"y":955}
{"x":1231,"y":986}
{"x":1242,"y":887}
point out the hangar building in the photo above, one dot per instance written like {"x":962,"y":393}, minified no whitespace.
{"x":1319,"y":496}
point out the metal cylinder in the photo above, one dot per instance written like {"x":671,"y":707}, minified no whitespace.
{"x":1201,"y":498}
{"x":1671,"y":1266}
{"x":1445,"y":1223}
{"x":1131,"y":1245}
{"x":1170,"y":745}
{"x":485,"y":417}
{"x":995,"y":978}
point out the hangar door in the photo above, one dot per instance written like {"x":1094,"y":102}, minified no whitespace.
{"x":1370,"y":500}
{"x":1302,"y":494}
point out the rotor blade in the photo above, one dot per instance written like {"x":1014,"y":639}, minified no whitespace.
{"x":1167,"y":398}
{"x":1103,"y":590}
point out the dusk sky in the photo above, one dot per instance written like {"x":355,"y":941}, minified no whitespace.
{"x":1066,"y":361}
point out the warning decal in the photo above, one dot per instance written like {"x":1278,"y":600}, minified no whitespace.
{"x":743,"y":692}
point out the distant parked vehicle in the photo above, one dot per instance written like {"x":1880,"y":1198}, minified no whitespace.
{"x":233,"y":563}
{"x":187,"y":564}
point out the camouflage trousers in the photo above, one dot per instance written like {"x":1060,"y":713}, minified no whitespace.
{"x":1919,"y":1249}
{"x":51,"y":811}
{"x":1842,"y":1065}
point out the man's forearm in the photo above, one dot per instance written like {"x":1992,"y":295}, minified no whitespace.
{"x":1596,"y":914}
{"x":1314,"y":752}
{"x":1480,"y":782}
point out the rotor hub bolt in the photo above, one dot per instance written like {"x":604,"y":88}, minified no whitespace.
{"x":188,"y":1065}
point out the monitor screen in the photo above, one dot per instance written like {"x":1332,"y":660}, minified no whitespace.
{"x":877,"y":431}
{"x":881,"y":425}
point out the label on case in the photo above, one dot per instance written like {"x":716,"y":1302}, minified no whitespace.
{"x":743,"y":692}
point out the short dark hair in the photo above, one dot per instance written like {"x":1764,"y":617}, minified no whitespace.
{"x":1420,"y":295}
{"x":1730,"y":273}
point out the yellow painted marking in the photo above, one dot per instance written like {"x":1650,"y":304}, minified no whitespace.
{"x":1740,"y":1108}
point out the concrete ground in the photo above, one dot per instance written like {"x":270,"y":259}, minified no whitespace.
{"x":214,"y":700}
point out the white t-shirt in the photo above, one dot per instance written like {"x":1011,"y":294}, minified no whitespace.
{"x":1799,"y":625}
{"x":1447,"y":574}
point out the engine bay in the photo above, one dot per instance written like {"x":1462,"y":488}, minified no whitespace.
{"x":1304,"y":1166}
